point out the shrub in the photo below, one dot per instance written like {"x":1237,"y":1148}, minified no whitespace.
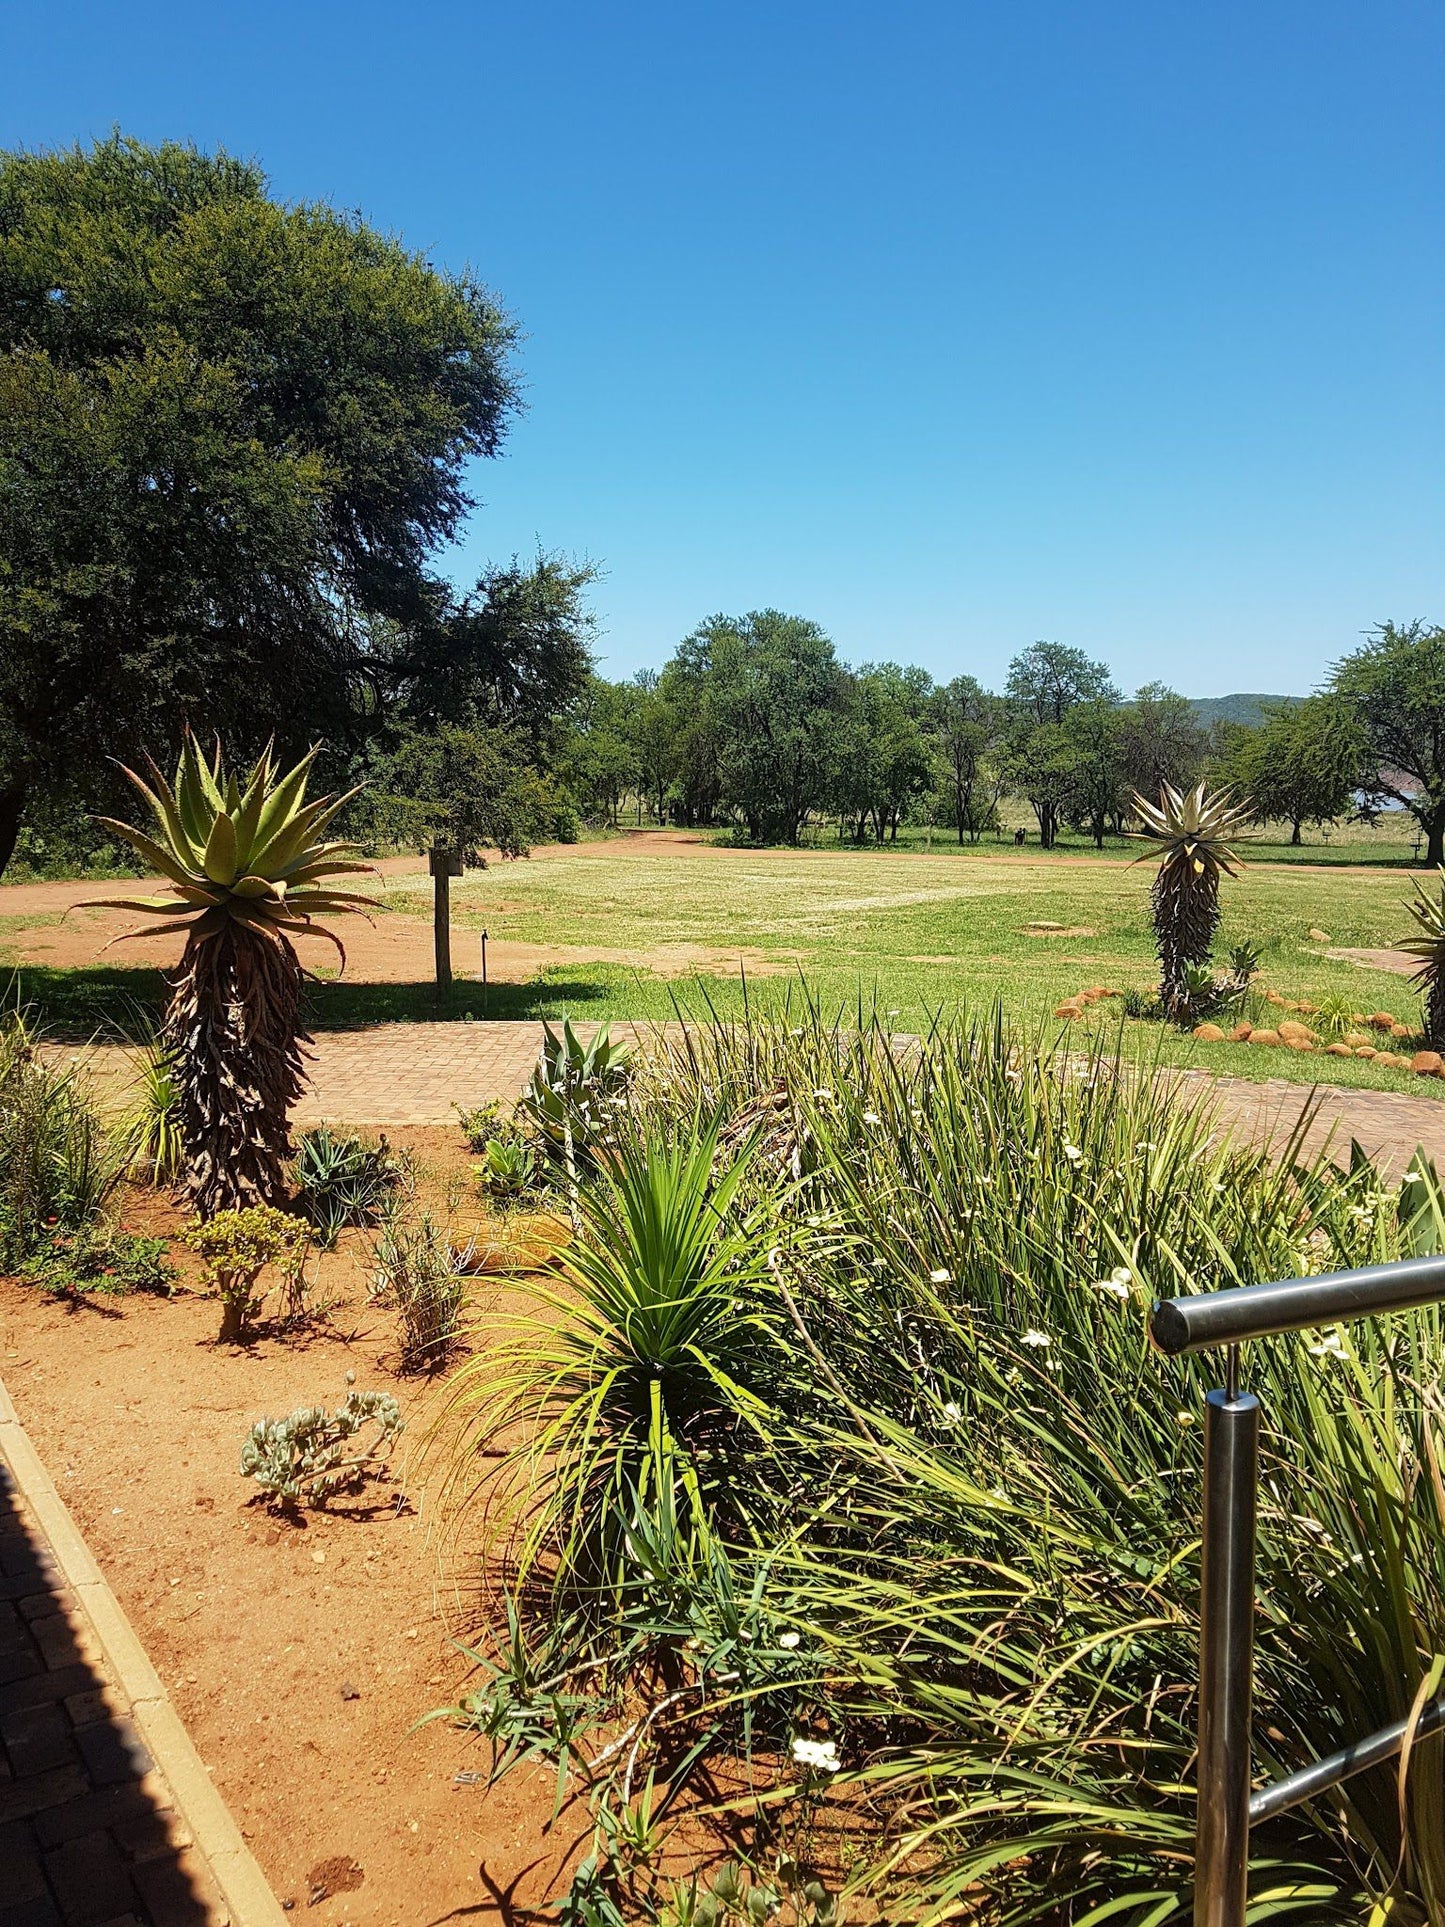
{"x":100,"y":1260}
{"x":236,"y":1247}
{"x":574,"y":1095}
{"x":485,"y":1123}
{"x":305,"y":1458}
{"x":419,"y":1271}
{"x":344,"y":1181}
{"x":508,"y":1168}
{"x":912,"y":1427}
{"x":58,"y":1165}
{"x":151,"y":1133}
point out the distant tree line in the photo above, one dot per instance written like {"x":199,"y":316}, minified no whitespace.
{"x":754,"y":722}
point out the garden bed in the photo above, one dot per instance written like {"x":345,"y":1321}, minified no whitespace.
{"x":300,"y":1652}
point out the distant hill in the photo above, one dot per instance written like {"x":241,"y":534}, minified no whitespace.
{"x":1235,"y":709}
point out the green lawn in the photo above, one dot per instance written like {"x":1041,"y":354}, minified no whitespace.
{"x":919,"y":935}
{"x":913,"y":931}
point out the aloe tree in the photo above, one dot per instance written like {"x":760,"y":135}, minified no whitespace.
{"x":1191,"y":829}
{"x":247,"y":873}
{"x":1428,"y":947}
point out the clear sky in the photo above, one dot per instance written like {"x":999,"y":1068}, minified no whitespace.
{"x":949,"y":323}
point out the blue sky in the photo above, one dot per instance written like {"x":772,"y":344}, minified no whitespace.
{"x":948,"y":325}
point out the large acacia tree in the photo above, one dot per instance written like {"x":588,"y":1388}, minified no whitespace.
{"x":232,"y":432}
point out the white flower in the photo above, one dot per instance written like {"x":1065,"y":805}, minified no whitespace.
{"x":1114,"y":1286}
{"x":1073,"y":1153}
{"x":788,"y":1641}
{"x":821,"y":1755}
{"x":1332,"y":1345}
{"x":1039,"y":1340}
{"x":871,"y":1117}
{"x":824,"y":1097}
{"x":953,"y":1411}
{"x":942,"y":1276}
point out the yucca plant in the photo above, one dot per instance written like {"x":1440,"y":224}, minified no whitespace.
{"x":247,"y":871}
{"x":1193,"y":831}
{"x":628,"y":1385}
{"x":1428,"y":946}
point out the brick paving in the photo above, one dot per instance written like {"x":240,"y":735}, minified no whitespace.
{"x":419,"y":1074}
{"x":89,"y":1835}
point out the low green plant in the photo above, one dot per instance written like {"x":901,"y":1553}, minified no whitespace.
{"x":312,"y":1455}
{"x":508,"y":1169}
{"x":482,"y":1124}
{"x":420,"y":1272}
{"x":236,"y":1247}
{"x":898,"y":1498}
{"x":151,"y":1132}
{"x":59,"y":1167}
{"x":571,"y":1102}
{"x":344,"y":1180}
{"x":625,"y":1388}
{"x":72,"y":1265}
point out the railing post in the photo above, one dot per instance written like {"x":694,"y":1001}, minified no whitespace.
{"x":1226,"y":1658}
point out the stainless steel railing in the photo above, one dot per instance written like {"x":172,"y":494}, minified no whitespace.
{"x":1227,"y":1808}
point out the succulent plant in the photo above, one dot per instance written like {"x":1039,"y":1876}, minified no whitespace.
{"x":1192,"y":830}
{"x":248,"y":871}
{"x":1428,"y":948}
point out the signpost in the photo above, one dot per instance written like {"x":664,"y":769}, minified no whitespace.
{"x":445,"y":863}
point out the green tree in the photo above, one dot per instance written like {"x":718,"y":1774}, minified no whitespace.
{"x":1045,"y":683}
{"x":1395,"y":686}
{"x":231,"y":434}
{"x":1162,"y":741}
{"x":885,"y":759}
{"x":770,"y":692}
{"x":968,"y":726}
{"x":467,"y":786}
{"x":1097,"y":792}
{"x":1302,"y":765}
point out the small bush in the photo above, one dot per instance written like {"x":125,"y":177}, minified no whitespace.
{"x":419,"y":1272}
{"x":344,"y":1180}
{"x":236,"y":1247}
{"x":508,"y":1169}
{"x":304,"y":1458}
{"x":74,"y":1264}
{"x":486,"y":1124}
{"x":571,"y":1096}
{"x":58,"y":1165}
{"x":151,"y":1134}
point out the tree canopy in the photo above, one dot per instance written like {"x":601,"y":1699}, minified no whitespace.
{"x":1395,"y":685}
{"x":232,"y":433}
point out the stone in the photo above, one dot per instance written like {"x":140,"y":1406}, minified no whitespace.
{"x":1338,"y":1050}
{"x":1241,"y":1034}
{"x":1266,"y":1037}
{"x":1294,"y":1032}
{"x":1382,"y":1020}
{"x":1067,"y":1010}
{"x":1319,"y":936}
{"x":1209,"y":1033}
{"x":1428,"y":1063}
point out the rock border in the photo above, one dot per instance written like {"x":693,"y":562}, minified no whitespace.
{"x":217,"y":1839}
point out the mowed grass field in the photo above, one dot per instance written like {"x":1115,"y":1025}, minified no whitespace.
{"x":631,"y":926}
{"x":919,"y":932}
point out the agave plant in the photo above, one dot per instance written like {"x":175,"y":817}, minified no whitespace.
{"x":1192,"y":829}
{"x":247,"y":871}
{"x":1429,"y":947}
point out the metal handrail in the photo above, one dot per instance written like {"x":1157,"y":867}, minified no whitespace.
{"x":1226,"y":1806}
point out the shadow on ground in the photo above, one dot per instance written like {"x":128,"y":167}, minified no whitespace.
{"x":86,"y":1833}
{"x":112,"y":1001}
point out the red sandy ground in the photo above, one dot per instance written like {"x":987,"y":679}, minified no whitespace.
{"x":255,"y":1623}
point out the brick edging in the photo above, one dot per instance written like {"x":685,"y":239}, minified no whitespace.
{"x":217,"y":1839}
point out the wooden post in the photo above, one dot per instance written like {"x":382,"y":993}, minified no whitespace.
{"x":445,"y":864}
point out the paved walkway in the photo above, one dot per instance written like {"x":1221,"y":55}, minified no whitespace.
{"x":420,"y":1073}
{"x":89,"y":1835}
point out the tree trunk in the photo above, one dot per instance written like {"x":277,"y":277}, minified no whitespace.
{"x":1435,"y":840}
{"x":12,"y":811}
{"x":1295,"y":836}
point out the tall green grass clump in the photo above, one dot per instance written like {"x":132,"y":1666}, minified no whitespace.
{"x":911,"y":1510}
{"x":58,"y":1165}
